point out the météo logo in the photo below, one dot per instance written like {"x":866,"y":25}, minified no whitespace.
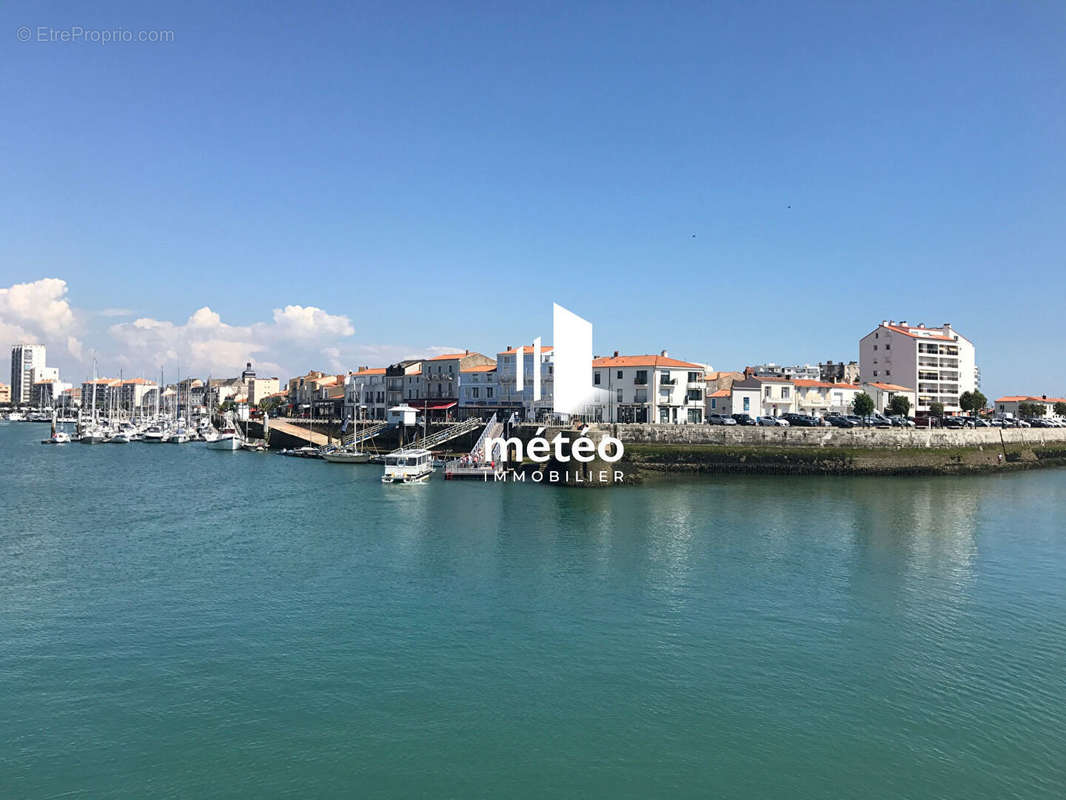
{"x":573,"y":395}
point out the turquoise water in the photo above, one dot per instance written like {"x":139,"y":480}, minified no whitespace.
{"x":177,"y":622}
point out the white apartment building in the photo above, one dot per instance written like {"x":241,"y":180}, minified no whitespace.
{"x":938,"y":362}
{"x":25,"y":358}
{"x":46,"y":393}
{"x":762,"y":396}
{"x":818,"y":398}
{"x":364,"y":394}
{"x":510,"y":397}
{"x":649,"y":388}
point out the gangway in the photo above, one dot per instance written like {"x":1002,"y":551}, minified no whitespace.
{"x":480,"y":463}
{"x":364,"y":434}
{"x":453,"y":431}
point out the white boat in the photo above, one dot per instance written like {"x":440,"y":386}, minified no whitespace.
{"x":155,"y":434}
{"x":121,"y":437}
{"x":16,"y":416}
{"x":408,"y":466}
{"x":93,"y":435}
{"x":60,"y":437}
{"x":177,"y":436}
{"x":225,"y":439}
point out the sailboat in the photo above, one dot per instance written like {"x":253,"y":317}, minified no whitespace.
{"x":229,"y":438}
{"x":94,"y":434}
{"x":58,"y":436}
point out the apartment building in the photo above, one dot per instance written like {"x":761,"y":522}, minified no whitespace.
{"x":24,"y":359}
{"x":480,"y":393}
{"x":47,"y":393}
{"x":508,"y":363}
{"x":364,"y":394}
{"x":938,"y":362}
{"x":5,"y":393}
{"x":838,"y":372}
{"x":649,"y":388}
{"x":137,"y":396}
{"x":98,"y":394}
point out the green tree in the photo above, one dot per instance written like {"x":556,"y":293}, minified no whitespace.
{"x":980,"y":402}
{"x":966,"y":401}
{"x":863,"y":404}
{"x":900,"y":405}
{"x":270,"y":405}
{"x":1031,"y":409}
{"x":1060,"y":409}
{"x":973,"y":402}
{"x":936,"y":409}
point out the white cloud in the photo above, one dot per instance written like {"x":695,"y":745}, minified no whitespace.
{"x":308,"y":322}
{"x":39,"y":308}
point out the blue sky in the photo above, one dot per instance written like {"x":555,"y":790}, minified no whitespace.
{"x":733,"y":182}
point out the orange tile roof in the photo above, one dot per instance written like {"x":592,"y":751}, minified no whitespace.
{"x":374,"y":371}
{"x":924,"y":334}
{"x":138,"y":381}
{"x":720,"y":393}
{"x":482,"y":368}
{"x":544,"y":348}
{"x":450,"y":356}
{"x":1030,"y":399}
{"x":643,"y":361}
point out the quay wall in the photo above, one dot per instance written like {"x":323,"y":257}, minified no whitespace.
{"x":891,"y":438}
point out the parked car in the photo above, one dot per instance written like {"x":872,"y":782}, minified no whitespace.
{"x":801,"y":420}
{"x":766,"y":422}
{"x":901,"y":422}
{"x":720,"y":419}
{"x":838,"y":421}
{"x":744,"y":419}
{"x":981,"y":423}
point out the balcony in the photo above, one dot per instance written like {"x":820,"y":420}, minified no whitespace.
{"x":667,"y":381}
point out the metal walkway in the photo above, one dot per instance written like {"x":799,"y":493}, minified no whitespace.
{"x":364,"y":434}
{"x":440,"y":437}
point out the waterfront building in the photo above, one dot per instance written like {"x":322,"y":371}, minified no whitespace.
{"x":260,"y":388}
{"x":98,"y":394}
{"x":481,"y":393}
{"x":763,"y":395}
{"x":47,"y":393}
{"x":136,"y":396}
{"x":24,"y":359}
{"x":1009,"y":405}
{"x":938,"y":362}
{"x":818,"y":398}
{"x":720,"y":401}
{"x":649,"y":388}
{"x":882,"y":393}
{"x":5,"y":393}
{"x":839,"y":372}
{"x":364,"y":394}
{"x":510,"y":397}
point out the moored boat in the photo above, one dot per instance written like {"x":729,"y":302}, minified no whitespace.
{"x":408,"y":466}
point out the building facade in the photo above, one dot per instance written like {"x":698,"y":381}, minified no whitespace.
{"x":882,"y":393}
{"x":5,"y":393}
{"x":364,"y":394}
{"x":649,"y":388}
{"x":938,"y":362}
{"x":1009,"y":405}
{"x":25,"y":358}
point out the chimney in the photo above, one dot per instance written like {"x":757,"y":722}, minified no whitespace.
{"x":664,"y":354}
{"x":616,"y":354}
{"x":468,"y":351}
{"x":903,"y":323}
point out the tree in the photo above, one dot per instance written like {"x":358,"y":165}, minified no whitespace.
{"x":1031,"y":409}
{"x":270,"y":405}
{"x":900,"y":405}
{"x":863,"y":404}
{"x":1060,"y":409}
{"x":936,"y":409}
{"x":972,"y":401}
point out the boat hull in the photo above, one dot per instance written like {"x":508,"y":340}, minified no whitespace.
{"x":228,"y":443}
{"x":347,"y":458}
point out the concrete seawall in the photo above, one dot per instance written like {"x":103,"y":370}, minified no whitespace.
{"x":892,"y":438}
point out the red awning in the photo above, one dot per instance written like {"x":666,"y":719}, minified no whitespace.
{"x":436,"y":406}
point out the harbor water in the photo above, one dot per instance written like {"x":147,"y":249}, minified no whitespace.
{"x":179,"y":622}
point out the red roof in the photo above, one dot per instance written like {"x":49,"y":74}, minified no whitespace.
{"x":1030,"y":399}
{"x":807,"y":384}
{"x":482,"y":368}
{"x":890,"y":387}
{"x":643,"y":361}
{"x":720,"y":393}
{"x":374,"y":371}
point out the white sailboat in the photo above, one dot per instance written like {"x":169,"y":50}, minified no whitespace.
{"x":229,"y":438}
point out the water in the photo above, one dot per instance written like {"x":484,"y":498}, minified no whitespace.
{"x":177,"y":622}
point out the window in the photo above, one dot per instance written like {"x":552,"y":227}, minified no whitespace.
{"x":693,"y":377}
{"x":642,"y":377}
{"x":714,"y":402}
{"x":875,"y":347}
{"x":766,"y":392}
{"x":619,"y":395}
{"x":888,"y":372}
{"x":619,"y":374}
{"x":664,"y":415}
{"x":488,"y":391}
{"x":875,"y":373}
{"x":475,"y":390}
{"x":596,"y":378}
{"x":695,"y":415}
{"x":888,"y":347}
{"x":747,"y":404}
{"x":784,"y":393}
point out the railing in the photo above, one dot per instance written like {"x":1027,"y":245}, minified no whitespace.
{"x":440,"y":437}
{"x":480,"y":443}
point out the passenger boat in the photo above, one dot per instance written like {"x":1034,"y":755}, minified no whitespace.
{"x":155,"y":434}
{"x":408,"y":466}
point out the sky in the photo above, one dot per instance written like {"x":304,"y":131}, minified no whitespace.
{"x":323,"y":186}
